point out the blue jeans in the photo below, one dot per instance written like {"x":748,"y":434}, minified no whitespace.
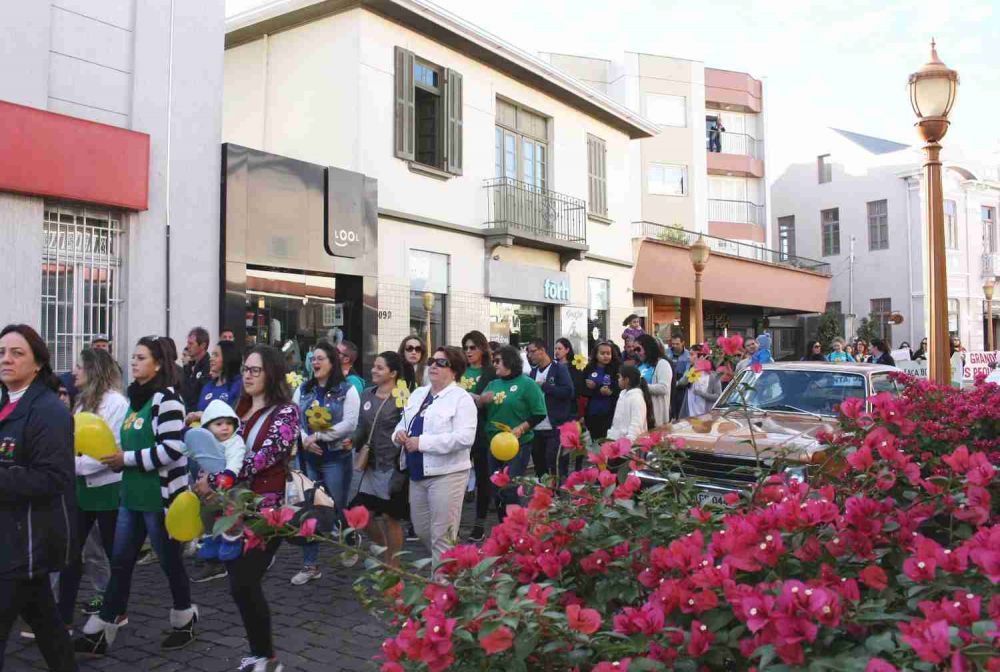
{"x":336,"y":474}
{"x":515,"y":467}
{"x":130,"y":533}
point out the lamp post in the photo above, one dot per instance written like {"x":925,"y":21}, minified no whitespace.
{"x":700,"y":253}
{"x":988,"y":292}
{"x":428,"y":307}
{"x":932,"y":95}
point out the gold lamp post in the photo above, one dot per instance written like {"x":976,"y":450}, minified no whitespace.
{"x":988,"y":292}
{"x":428,"y":307}
{"x":700,"y":253}
{"x":932,"y":95}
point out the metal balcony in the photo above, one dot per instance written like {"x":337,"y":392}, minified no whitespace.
{"x":991,"y":265}
{"x":738,"y":143}
{"x":733,"y":248}
{"x":524,"y":211}
{"x":742,"y":212}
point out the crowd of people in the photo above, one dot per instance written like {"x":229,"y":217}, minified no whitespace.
{"x":409,"y":441}
{"x":875,"y":351}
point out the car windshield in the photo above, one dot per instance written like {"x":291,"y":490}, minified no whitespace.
{"x":817,"y":392}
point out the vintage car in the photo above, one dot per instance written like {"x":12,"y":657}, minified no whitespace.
{"x":773,"y":416}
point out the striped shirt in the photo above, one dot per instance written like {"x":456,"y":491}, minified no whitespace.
{"x":166,"y":456}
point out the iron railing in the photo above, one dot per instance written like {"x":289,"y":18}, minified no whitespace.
{"x":991,"y":265}
{"x":738,"y":143}
{"x":733,"y":248}
{"x":744,"y":212}
{"x":518,"y":207}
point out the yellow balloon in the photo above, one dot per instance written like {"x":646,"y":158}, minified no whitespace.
{"x":184,"y":517}
{"x":504,"y":446}
{"x":92,"y":436}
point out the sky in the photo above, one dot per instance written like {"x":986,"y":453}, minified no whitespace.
{"x":841,"y":64}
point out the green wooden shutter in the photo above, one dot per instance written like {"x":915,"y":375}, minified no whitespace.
{"x":405,"y":108}
{"x":453,"y":126}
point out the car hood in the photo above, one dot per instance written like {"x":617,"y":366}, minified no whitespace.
{"x":775,"y":434}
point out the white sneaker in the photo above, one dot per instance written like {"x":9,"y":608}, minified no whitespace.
{"x":260,"y":664}
{"x":306,"y":575}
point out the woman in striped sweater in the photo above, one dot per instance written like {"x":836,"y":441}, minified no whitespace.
{"x":154,"y":471}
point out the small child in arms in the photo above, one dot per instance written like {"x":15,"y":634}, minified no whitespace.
{"x":216,"y":446}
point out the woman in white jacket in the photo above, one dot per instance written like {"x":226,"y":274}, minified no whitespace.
{"x":658,"y":374}
{"x":633,"y":414}
{"x":437,"y":431}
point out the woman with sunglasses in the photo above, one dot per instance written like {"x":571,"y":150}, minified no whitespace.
{"x":814,"y":353}
{"x":413,"y":350}
{"x":516,"y":401}
{"x":154,"y":471}
{"x":478,"y":374}
{"x":437,"y":431}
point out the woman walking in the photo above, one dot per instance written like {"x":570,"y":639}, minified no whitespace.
{"x":383,"y":485}
{"x":437,"y":431}
{"x":564,"y":354}
{"x":516,"y":401}
{"x":634,"y":411}
{"x":328,"y":413}
{"x":600,"y":388}
{"x":657,"y":372}
{"x":478,"y":374}
{"x":154,"y":471}
{"x":98,"y":488}
{"x":414,"y":351}
{"x":270,"y":427}
{"x":36,"y":479}
{"x":224,"y":380}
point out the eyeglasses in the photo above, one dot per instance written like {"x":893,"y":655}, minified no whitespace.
{"x":252,"y":371}
{"x":443,"y":362}
{"x":470,"y":347}
{"x":414,"y":348}
{"x":497,"y":361}
{"x":817,"y":345}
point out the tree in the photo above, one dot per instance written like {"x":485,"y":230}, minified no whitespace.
{"x":830,"y":326}
{"x":868,"y":328}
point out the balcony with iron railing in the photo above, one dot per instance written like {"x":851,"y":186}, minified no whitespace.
{"x":736,"y":143}
{"x":736,"y":154}
{"x":740,"y":212}
{"x":733,"y":248}
{"x":991,"y":264}
{"x":535,"y":216}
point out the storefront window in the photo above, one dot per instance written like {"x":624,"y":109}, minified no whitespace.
{"x":428,"y":295}
{"x":519,"y":323}
{"x":597,"y":314}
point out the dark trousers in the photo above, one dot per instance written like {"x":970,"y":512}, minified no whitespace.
{"x":69,"y":580}
{"x":545,"y":451}
{"x":677,"y":401}
{"x":32,"y":600}
{"x":130,"y":533}
{"x":484,"y":487}
{"x":515,"y":467}
{"x":246,"y":576}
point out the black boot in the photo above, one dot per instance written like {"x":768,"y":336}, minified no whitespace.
{"x":182,"y":634}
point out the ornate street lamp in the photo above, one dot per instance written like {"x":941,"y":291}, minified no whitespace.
{"x":428,"y":307}
{"x":700,"y":253}
{"x":932,"y":95}
{"x":988,"y":292}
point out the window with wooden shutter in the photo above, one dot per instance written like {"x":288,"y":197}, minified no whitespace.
{"x":405,"y":117}
{"x":453,"y":134}
{"x":597,"y":183}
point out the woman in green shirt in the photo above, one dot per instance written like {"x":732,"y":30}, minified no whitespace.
{"x":514,"y":400}
{"x":477,"y":376}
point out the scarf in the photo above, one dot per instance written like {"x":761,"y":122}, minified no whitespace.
{"x":139,"y":394}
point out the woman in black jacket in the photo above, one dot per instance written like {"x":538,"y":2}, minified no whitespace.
{"x":477,"y":376}
{"x":37,"y":493}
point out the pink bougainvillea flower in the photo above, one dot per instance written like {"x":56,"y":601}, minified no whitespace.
{"x":852,"y":407}
{"x":596,"y":563}
{"x":587,"y":621}
{"x":874,"y":577}
{"x":277,"y":517}
{"x":703,"y":365}
{"x":251,"y":540}
{"x":880,"y":665}
{"x":443,"y":596}
{"x":756,"y":367}
{"x":613,"y":666}
{"x":701,"y":639}
{"x":649,"y":441}
{"x":357,"y":517}
{"x":731,"y":346}
{"x":539,"y":595}
{"x":308,"y":528}
{"x":501,"y":479}
{"x":929,"y":640}
{"x":541,"y":499}
{"x":569,"y":435}
{"x":497,"y":641}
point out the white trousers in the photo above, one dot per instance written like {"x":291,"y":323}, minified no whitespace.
{"x":436,"y":510}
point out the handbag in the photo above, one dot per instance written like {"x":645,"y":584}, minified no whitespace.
{"x":362,"y":454}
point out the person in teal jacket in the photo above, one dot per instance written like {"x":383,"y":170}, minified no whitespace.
{"x":839,"y":354}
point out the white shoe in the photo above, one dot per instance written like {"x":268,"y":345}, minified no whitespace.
{"x":260,"y":664}
{"x":306,"y":575}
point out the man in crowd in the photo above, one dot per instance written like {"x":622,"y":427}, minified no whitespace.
{"x":227,"y":335}
{"x":196,"y":368}
{"x":556,"y":383}
{"x":348,"y":356}
{"x":880,"y":353}
{"x":101,"y":343}
{"x":680,"y":360}
{"x":749,"y":349}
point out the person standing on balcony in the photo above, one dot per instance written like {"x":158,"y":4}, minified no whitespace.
{"x":715,"y":135}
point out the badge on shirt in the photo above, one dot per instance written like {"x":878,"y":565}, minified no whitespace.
{"x":7,"y":447}
{"x":138,"y":424}
{"x":513,"y":388}
{"x":368,"y":405}
{"x":208,"y":397}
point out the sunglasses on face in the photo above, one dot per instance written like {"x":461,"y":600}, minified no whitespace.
{"x":414,"y":348}
{"x":443,"y":362}
{"x":470,"y":347}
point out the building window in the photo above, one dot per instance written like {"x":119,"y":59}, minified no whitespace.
{"x":428,"y":113}
{"x":989,"y":215}
{"x":786,"y":236}
{"x":831,"y":231}
{"x":81,"y":280}
{"x":834,"y":307}
{"x":597,"y":314}
{"x":880,"y":312}
{"x":597,"y":176}
{"x":824,"y":169}
{"x":666,"y":110}
{"x":878,"y":225}
{"x":667,"y":179}
{"x":953,"y":308}
{"x":521,"y":144}
{"x":429,"y":290}
{"x":950,"y":225}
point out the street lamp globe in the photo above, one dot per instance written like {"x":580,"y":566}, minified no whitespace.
{"x":699,"y":254}
{"x":988,"y":286}
{"x":932,"y":94}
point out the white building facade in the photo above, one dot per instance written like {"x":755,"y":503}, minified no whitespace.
{"x":857,"y":192}
{"x":502,"y":184}
{"x":110,"y":117}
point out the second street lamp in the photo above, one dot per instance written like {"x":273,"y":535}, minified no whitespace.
{"x":988,"y":293}
{"x":932,"y":95}
{"x":700,"y":253}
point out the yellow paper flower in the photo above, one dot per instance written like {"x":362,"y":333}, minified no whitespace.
{"x":467,"y":383}
{"x":693,"y":375}
{"x":499,"y":397}
{"x":401,"y":393}
{"x":294,"y":379}
{"x":319,"y":418}
{"x":580,"y":361}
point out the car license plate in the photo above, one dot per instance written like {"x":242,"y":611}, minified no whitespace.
{"x":715,"y":498}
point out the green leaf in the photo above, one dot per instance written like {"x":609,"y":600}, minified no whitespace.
{"x":223,"y":524}
{"x":980,"y":628}
{"x":881,"y":643}
{"x":524,"y":646}
{"x":483,"y":565}
{"x":767,"y":655}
